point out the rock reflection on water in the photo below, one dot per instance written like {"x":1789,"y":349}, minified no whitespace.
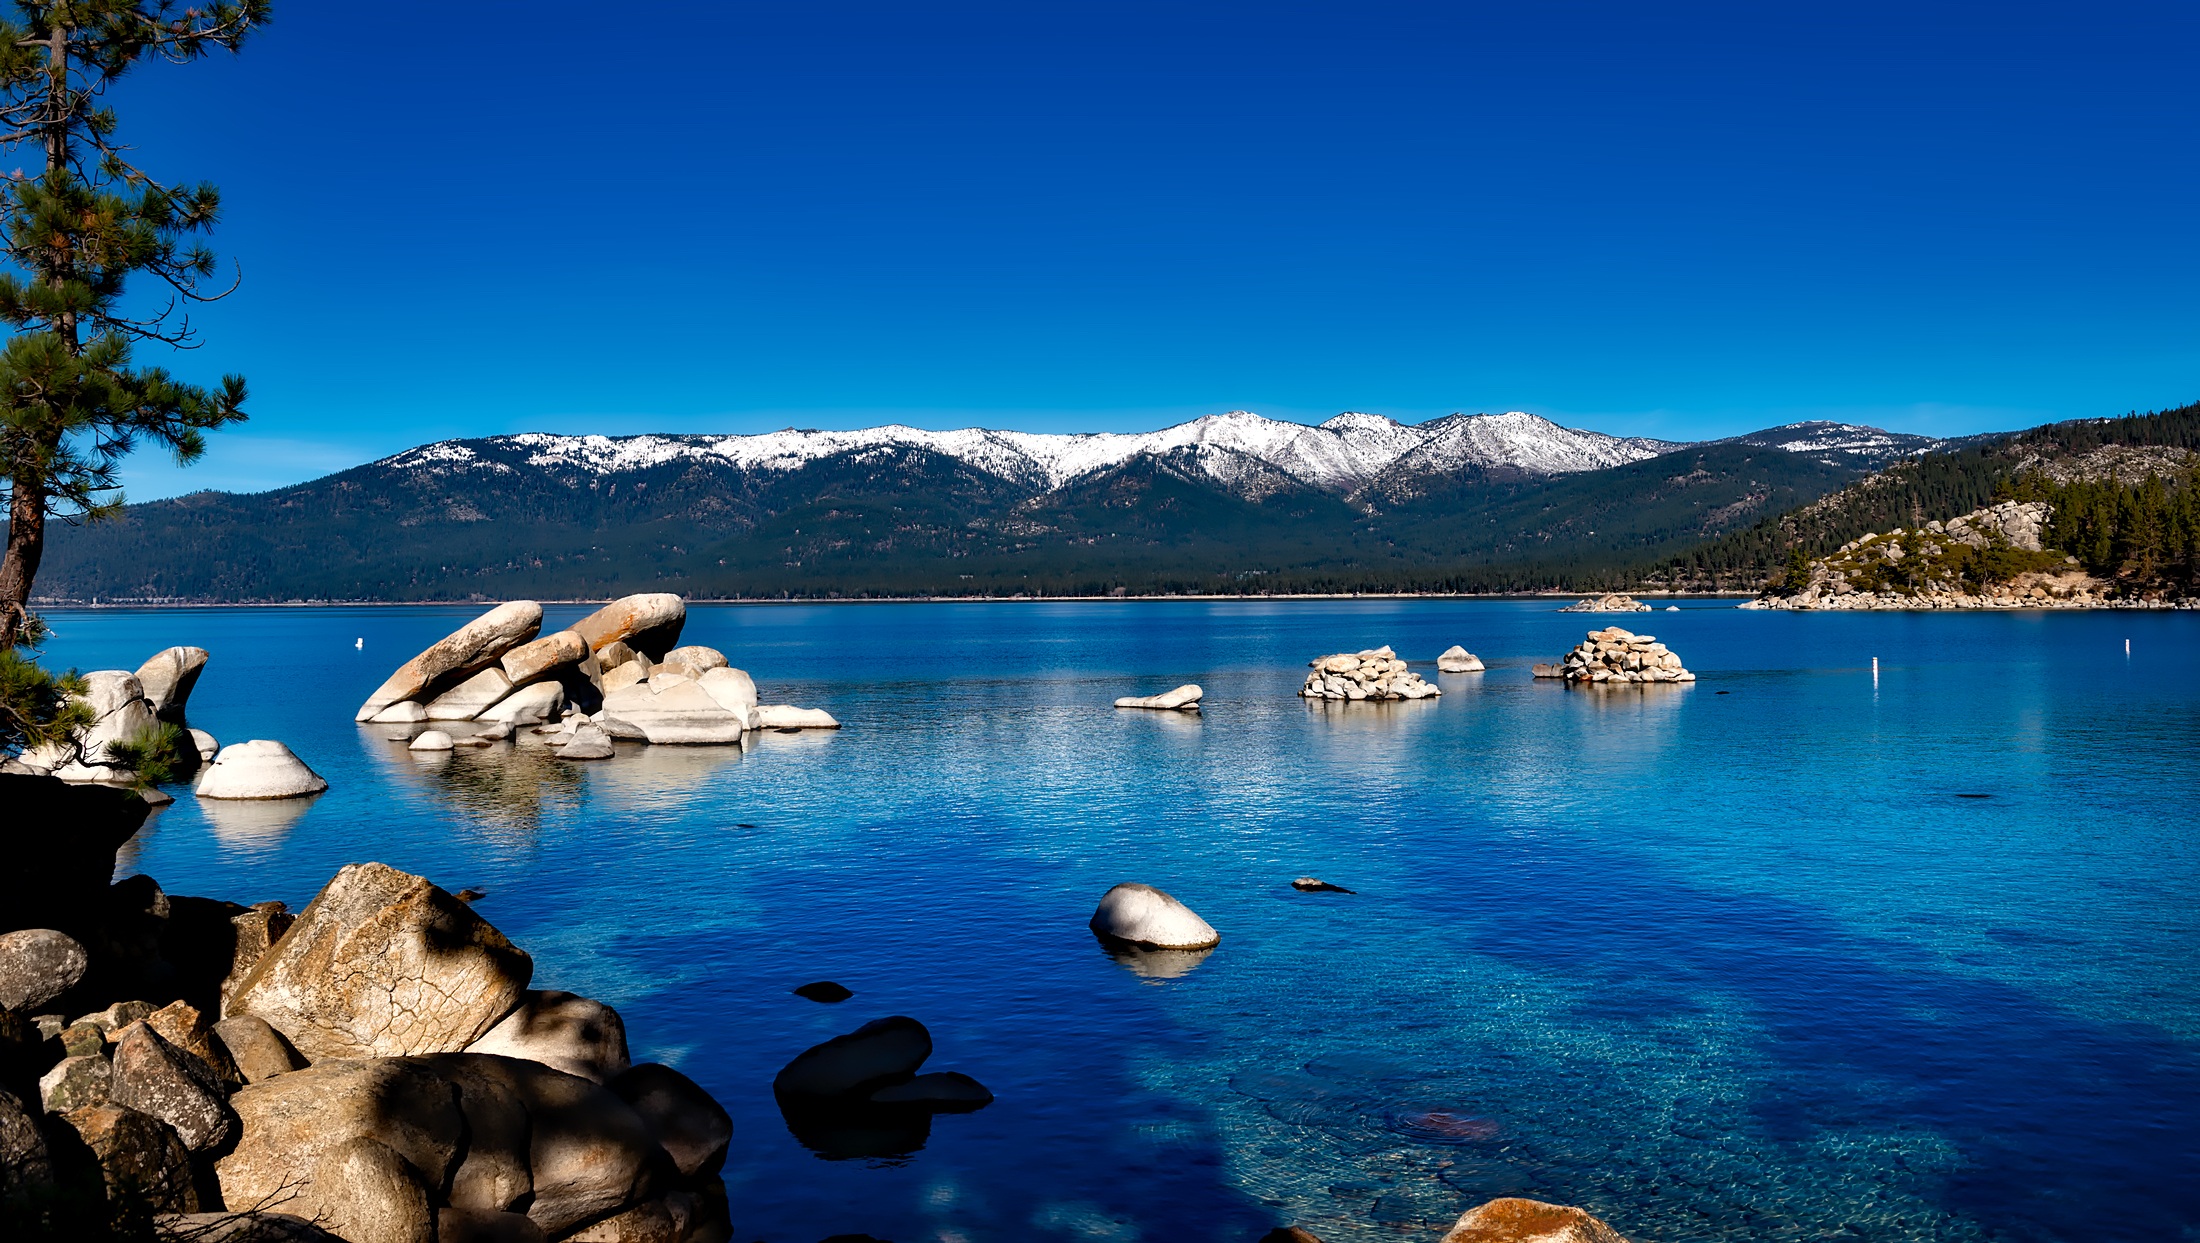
{"x":254,"y":824}
{"x":1372,"y":717}
{"x":642,"y":776}
{"x":858,"y":1132}
{"x":1153,"y":964}
{"x":502,"y":789}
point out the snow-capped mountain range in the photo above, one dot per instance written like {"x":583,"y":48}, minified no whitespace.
{"x":1345,"y":455}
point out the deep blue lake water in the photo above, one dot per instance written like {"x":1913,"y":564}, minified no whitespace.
{"x":1816,"y":957}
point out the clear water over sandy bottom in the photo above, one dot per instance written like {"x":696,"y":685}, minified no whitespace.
{"x":1813,"y":958}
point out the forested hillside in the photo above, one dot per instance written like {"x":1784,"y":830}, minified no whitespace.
{"x":2123,"y":489}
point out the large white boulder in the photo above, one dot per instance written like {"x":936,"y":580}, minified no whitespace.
{"x":119,"y":714}
{"x":647,"y":623}
{"x":1143,"y":915}
{"x":732,"y":689}
{"x":533,"y":704}
{"x":787,"y":716}
{"x":260,"y":768}
{"x":431,"y":740}
{"x":472,"y":647}
{"x":1457,"y":659}
{"x":471,"y":697}
{"x":403,"y":712}
{"x":167,"y":679}
{"x":679,"y":710}
{"x":1183,"y":698}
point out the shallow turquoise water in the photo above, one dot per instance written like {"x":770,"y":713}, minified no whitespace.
{"x":1717,"y":966}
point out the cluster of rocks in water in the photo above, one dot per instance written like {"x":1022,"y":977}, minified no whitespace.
{"x":1376,"y":673}
{"x":1610,"y":602}
{"x":379,"y":1068}
{"x":1616,"y":655}
{"x":1925,"y":568}
{"x":617,"y":674}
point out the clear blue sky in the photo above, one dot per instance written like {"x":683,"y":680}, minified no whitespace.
{"x":1680,"y":220}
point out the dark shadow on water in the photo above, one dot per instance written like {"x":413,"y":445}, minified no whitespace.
{"x":859,"y":1132}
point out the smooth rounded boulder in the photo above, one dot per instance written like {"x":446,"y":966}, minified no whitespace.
{"x":258,"y":1051}
{"x":403,"y":712}
{"x":1456,"y":659}
{"x":942,"y":1091}
{"x":430,"y":740}
{"x":366,"y":1193}
{"x":694,"y":661}
{"x":878,"y":1054}
{"x":291,"y":1121}
{"x":260,"y":768}
{"x":1145,"y":916}
{"x":649,"y":623}
{"x":587,"y":742}
{"x":167,"y":679}
{"x":465,"y":651}
{"x":693,"y":1128}
{"x":38,"y":965}
{"x":384,"y":963}
{"x":1516,"y":1220}
{"x":564,"y":1031}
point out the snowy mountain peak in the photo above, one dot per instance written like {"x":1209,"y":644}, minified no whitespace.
{"x":1343,"y":455}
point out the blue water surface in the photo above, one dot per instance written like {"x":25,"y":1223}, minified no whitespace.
{"x":1796,"y":952}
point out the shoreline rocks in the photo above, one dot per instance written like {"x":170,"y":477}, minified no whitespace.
{"x":1376,"y":673}
{"x":1456,"y":659}
{"x":1610,"y":602}
{"x":1615,"y":655}
{"x":1184,"y":698}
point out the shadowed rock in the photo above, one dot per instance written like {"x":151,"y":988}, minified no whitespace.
{"x":825,"y":991}
{"x":138,"y":1154}
{"x":562,"y":1030}
{"x":942,"y":1091}
{"x":693,"y":1128}
{"x":875,"y":1055}
{"x":367,"y":1193}
{"x":38,"y":965}
{"x":382,"y":963}
{"x":258,"y":1051}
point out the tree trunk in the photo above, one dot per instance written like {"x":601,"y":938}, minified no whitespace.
{"x":26,"y":545}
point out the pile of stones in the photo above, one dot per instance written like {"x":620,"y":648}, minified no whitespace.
{"x":1373,"y":674}
{"x":615,"y":674}
{"x":1611,"y":602}
{"x":377,"y":1069}
{"x":1615,"y":655}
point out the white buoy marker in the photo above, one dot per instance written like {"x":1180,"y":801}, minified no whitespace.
{"x":360,"y":644}
{"x":1875,"y":671}
{"x":2127,"y":647}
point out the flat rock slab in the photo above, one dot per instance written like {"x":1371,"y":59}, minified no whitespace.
{"x":1183,"y":698}
{"x":649,"y":623}
{"x":470,"y":648}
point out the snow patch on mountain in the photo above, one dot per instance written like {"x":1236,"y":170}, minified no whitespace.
{"x":1343,"y":455}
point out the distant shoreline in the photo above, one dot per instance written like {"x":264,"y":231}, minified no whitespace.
{"x":694,"y":600}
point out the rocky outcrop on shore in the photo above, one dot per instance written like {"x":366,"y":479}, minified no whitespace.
{"x":616,"y":674}
{"x":1373,"y":674}
{"x":379,"y":1070}
{"x":1611,"y":602}
{"x":1616,"y":655}
{"x":1990,"y":558}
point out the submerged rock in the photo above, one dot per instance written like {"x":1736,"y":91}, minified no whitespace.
{"x":943,"y":1091}
{"x":825,"y":991}
{"x":260,"y":768}
{"x":1146,"y":916}
{"x":1515,"y":1220}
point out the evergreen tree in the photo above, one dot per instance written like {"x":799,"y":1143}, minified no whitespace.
{"x":72,"y":403}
